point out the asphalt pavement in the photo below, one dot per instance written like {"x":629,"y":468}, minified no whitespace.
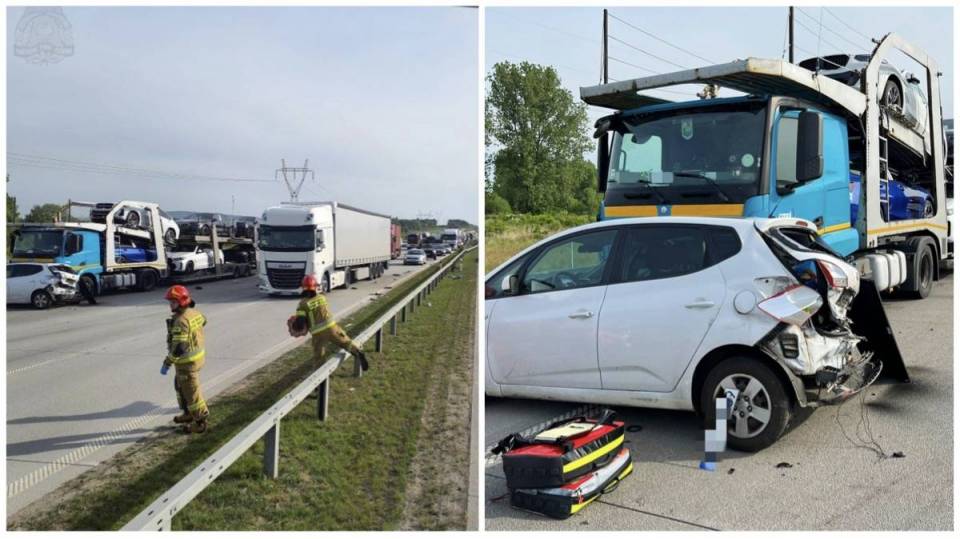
{"x":820,"y":476}
{"x":84,"y":382}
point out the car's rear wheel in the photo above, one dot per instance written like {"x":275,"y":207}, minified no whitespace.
{"x":41,"y":299}
{"x":762,"y":410}
{"x":133,"y":219}
{"x":170,"y":237}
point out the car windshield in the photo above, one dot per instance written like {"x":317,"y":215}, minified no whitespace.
{"x":44,"y":243}
{"x":415,"y":252}
{"x":712,"y":153}
{"x":286,"y":238}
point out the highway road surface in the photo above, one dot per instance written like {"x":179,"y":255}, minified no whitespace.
{"x":83,"y":382}
{"x":822,"y":475}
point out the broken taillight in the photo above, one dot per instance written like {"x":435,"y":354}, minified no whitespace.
{"x":795,"y":305}
{"x":835,"y":276}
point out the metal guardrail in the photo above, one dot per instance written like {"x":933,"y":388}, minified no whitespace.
{"x":158,"y":516}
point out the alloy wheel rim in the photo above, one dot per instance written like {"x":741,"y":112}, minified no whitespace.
{"x":752,"y":411}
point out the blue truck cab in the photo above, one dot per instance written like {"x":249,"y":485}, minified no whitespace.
{"x":753,"y":156}
{"x":77,"y":247}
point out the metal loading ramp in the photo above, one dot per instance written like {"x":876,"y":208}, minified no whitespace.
{"x":755,"y":76}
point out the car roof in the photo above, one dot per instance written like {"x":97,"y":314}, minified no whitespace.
{"x":743,"y":225}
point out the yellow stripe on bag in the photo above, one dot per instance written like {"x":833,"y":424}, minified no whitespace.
{"x":583,"y":461}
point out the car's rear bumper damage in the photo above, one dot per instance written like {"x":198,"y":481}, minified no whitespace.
{"x":824,"y":369}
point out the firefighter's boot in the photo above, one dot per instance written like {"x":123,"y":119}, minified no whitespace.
{"x":185,"y":417}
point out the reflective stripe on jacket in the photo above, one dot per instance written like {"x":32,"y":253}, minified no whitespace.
{"x":186,"y":335}
{"x":317,"y":313}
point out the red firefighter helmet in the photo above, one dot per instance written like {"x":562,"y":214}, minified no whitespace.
{"x":178,"y":293}
{"x":309,"y":283}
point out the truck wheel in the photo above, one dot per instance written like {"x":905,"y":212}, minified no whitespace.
{"x":763,"y":408}
{"x":91,"y":283}
{"x":147,"y":280}
{"x":326,"y":283}
{"x":41,"y":299}
{"x":923,"y":266}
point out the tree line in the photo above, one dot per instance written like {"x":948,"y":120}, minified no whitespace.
{"x":535,"y":138}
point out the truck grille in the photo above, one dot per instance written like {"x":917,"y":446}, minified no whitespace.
{"x":285,"y":278}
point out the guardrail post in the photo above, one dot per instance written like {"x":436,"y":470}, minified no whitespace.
{"x":271,"y":451}
{"x":379,"y":340}
{"x":393,"y":325}
{"x":323,"y":399}
{"x":357,"y":371}
{"x":403,"y":314}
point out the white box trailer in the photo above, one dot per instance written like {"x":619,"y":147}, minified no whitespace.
{"x":336,"y":243}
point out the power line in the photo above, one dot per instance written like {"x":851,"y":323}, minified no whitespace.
{"x":56,"y":163}
{"x":664,"y":41}
{"x":831,"y":30}
{"x":854,"y":30}
{"x":634,"y":47}
{"x":648,"y":70}
{"x":815,"y":34}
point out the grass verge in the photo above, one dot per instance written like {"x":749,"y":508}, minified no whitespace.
{"x":507,"y":235}
{"x":109,"y":495}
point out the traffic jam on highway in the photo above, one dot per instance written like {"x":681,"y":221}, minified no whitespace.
{"x":668,"y":303}
{"x":132,"y":245}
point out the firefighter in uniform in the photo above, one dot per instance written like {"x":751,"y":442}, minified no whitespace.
{"x":313,"y":316}
{"x":185,"y":351}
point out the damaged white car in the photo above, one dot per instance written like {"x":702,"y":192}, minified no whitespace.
{"x":668,"y":312}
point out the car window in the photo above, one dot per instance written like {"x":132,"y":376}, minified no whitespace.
{"x":11,"y":271}
{"x":23,"y":270}
{"x":570,"y":263}
{"x":724,"y":243}
{"x":661,"y":252}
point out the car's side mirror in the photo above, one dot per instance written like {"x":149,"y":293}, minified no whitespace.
{"x":603,"y":162}
{"x":809,"y":146}
{"x":514,"y":285}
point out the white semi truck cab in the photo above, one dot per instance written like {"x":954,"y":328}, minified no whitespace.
{"x":335,"y":243}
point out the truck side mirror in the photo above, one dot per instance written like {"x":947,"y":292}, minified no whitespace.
{"x":514,"y":285}
{"x":809,"y":146}
{"x":603,"y":162}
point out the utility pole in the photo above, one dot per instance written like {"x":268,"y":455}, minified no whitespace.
{"x":294,"y":175}
{"x":791,"y":34}
{"x":606,"y":72}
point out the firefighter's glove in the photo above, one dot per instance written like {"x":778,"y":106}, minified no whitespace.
{"x":164,"y":369}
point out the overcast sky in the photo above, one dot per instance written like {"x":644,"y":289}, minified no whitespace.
{"x":383,"y":101}
{"x":570,"y":38}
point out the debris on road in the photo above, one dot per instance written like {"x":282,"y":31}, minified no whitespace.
{"x":784,"y":465}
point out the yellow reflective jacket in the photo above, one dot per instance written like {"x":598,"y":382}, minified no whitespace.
{"x":185,"y":337}
{"x":317,"y":313}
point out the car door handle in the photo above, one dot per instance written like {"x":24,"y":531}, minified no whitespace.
{"x":581,"y":314}
{"x":700,"y":305}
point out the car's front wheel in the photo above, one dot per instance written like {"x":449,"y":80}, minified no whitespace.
{"x":762,"y":410}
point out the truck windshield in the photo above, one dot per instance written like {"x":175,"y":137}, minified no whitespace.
{"x":33,"y":243}
{"x":286,"y":238}
{"x":706,"y":154}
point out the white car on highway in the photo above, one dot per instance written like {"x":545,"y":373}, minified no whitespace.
{"x":415,"y":256}
{"x":190,"y":261}
{"x":41,"y":285}
{"x":671,"y":313}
